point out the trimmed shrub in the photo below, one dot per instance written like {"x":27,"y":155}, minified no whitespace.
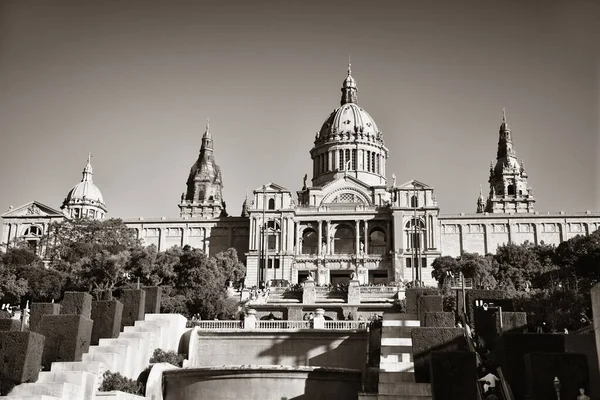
{"x":171,"y":357}
{"x":439,"y":319}
{"x":115,"y":381}
{"x":453,"y":375}
{"x":427,"y":340}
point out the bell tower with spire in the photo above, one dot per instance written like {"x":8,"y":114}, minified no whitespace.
{"x":509,"y":192}
{"x":204,"y":198}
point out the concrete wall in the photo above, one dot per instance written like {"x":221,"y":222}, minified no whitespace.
{"x":264,"y":383}
{"x":333,"y":349}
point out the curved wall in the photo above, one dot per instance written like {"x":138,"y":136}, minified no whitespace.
{"x":262,"y":382}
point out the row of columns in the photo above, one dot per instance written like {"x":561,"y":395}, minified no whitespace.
{"x":329,"y":161}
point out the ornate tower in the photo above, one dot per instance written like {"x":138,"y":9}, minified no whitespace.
{"x":204,"y":198}
{"x":85,"y":200}
{"x":508,"y":180}
{"x":349,"y":143}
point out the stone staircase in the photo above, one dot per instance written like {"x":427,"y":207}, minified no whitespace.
{"x":129,"y":355}
{"x":396,"y":366}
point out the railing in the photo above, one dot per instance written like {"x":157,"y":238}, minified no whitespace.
{"x":209,"y":325}
{"x":283,"y":325}
{"x":504,"y":386}
{"x":346,"y":325}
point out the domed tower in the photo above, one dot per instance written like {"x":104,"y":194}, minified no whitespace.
{"x":349,"y":143}
{"x":204,"y":198}
{"x":85,"y":199}
{"x":508,"y":180}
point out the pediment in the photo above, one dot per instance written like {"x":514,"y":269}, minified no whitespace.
{"x":33,"y":209}
{"x":346,"y":190}
{"x":271,"y":187}
{"x":412,"y":184}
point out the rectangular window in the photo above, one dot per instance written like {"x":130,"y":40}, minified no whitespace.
{"x":341,"y":161}
{"x":353,"y":159}
{"x":369,"y":161}
{"x":372,"y":162}
{"x":347,"y":157}
{"x":272,"y":242}
{"x":274,"y":263}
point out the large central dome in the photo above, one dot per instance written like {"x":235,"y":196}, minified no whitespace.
{"x":349,"y":143}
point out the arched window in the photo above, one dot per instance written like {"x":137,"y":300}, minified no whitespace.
{"x":353,"y":160}
{"x":32,"y":236}
{"x":271,"y":204}
{"x":377,"y":241}
{"x":368,"y":161}
{"x":273,"y":234}
{"x":33,"y":231}
{"x":414,"y":201}
{"x":372,"y":162}
{"x":511,"y":190}
{"x":344,"y":240}
{"x":347,"y":157}
{"x":415,"y":234}
{"x":309,"y":241}
{"x":341,"y":161}
{"x":377,"y":164}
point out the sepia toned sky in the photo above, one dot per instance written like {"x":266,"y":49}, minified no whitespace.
{"x":134,"y":81}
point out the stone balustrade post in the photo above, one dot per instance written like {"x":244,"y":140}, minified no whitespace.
{"x":354,"y":292}
{"x":250,"y":319}
{"x":319,"y":320}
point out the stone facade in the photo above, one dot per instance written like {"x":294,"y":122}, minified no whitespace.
{"x":349,"y":223}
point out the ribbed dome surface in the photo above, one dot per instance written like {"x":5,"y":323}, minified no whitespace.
{"x":347,"y":120}
{"x":85,"y":190}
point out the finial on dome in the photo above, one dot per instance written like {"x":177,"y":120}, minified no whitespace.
{"x":349,"y":87}
{"x":87,"y":170}
{"x":503,"y":114}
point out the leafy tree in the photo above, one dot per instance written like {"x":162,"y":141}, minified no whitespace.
{"x":72,"y":240}
{"x":481,"y":269}
{"x":232,"y":269}
{"x":104,"y":272}
{"x":171,"y":357}
{"x":579,"y":260}
{"x":115,"y":381}
{"x":153,"y":268}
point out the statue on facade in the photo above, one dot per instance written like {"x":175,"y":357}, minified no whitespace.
{"x":582,"y":395}
{"x":323,"y":248}
{"x":353,"y":276}
{"x":310,"y":277}
{"x":304,"y":182}
{"x":182,"y":196}
{"x":362,"y":248}
{"x":394,"y":180}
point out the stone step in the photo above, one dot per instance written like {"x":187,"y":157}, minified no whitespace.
{"x":405,"y":389}
{"x":398,"y":397}
{"x":396,"y":342}
{"x":61,"y":390}
{"x":389,"y":377}
{"x":34,"y":397}
{"x":396,"y":350}
{"x":397,"y":331}
{"x":94,"y":367}
{"x":399,"y":317}
{"x":397,"y":367}
{"x":404,"y":322}
{"x":86,"y":381}
{"x":395,"y":358}
{"x":111,"y":361}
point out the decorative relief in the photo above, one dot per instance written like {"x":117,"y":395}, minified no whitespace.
{"x":152,"y":232}
{"x":524,"y":228}
{"x":450,"y":229}
{"x":475,"y":228}
{"x":174,"y":232}
{"x":500,"y":228}
{"x":575,"y":227}
{"x":33,"y":210}
{"x":195,"y":232}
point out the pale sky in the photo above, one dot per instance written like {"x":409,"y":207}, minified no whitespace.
{"x":134,"y":81}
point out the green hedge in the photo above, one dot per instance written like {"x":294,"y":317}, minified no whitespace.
{"x":427,"y":340}
{"x":453,"y":375}
{"x":571,"y":369}
{"x":412,"y":295}
{"x":429,"y":303}
{"x":439,"y":319}
{"x":510,"y":352}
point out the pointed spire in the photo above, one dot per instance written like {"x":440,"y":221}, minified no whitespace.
{"x":480,"y":191}
{"x":207,"y":130}
{"x":503,"y":114}
{"x":87,"y":170}
{"x":504,"y":126}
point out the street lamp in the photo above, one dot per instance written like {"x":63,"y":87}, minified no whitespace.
{"x":556,"y":383}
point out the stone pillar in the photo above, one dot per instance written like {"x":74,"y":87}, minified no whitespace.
{"x":366,"y":235}
{"x":319,"y":237}
{"x":319,"y":319}
{"x":153,"y":299}
{"x":250,"y":319}
{"x":357,"y":236}
{"x":309,"y":292}
{"x":185,"y":235}
{"x":327,"y":236}
{"x":161,"y":239}
{"x":67,"y":337}
{"x":354,"y":292}
{"x":207,"y":241}
{"x":388,"y":237}
{"x":595,"y":293}
{"x":298,"y":250}
{"x":5,"y":230}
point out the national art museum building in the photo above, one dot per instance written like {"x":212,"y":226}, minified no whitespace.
{"x":347,"y":219}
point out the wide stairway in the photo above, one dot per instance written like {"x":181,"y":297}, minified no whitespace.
{"x":396,"y":367}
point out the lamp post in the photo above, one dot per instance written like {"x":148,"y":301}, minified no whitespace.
{"x":556,"y":383}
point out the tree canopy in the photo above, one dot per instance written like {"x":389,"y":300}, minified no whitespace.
{"x":105,"y":256}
